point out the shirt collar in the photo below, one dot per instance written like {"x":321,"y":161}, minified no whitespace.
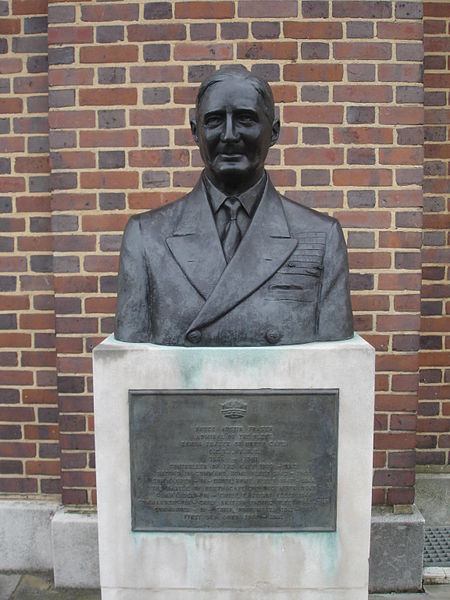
{"x":249,"y":199}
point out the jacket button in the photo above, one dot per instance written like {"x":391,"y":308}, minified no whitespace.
{"x":273,"y":336}
{"x":194,"y":336}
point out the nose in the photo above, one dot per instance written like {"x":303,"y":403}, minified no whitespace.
{"x":229,"y":133}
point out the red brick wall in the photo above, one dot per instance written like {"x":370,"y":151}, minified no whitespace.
{"x":433,"y":425}
{"x":123,"y":77}
{"x":29,"y":452}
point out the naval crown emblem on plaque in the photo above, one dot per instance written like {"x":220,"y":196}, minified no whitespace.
{"x":234,"y":409}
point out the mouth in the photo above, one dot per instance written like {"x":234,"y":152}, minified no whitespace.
{"x":230,"y":155}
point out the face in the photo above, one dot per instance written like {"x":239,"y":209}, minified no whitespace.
{"x":234,"y":134}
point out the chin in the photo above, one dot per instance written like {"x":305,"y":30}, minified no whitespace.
{"x":238,"y":168}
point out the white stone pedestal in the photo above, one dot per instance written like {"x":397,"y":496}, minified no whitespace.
{"x":234,"y":566}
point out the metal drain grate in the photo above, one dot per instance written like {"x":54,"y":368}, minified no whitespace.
{"x":437,"y":547}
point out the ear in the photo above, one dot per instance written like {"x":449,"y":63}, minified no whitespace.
{"x":275,"y":132}
{"x":194,"y":130}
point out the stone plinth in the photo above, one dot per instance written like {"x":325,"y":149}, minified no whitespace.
{"x":234,"y":566}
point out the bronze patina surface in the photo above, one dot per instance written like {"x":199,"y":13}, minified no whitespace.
{"x":234,"y":460}
{"x":233,"y":263}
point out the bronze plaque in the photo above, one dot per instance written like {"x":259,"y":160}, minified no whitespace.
{"x":234,"y":460}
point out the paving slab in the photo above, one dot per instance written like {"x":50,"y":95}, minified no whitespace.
{"x":431,"y":592}
{"x":8,"y":583}
{"x":40,"y":586}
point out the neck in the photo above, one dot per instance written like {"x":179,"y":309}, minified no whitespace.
{"x":233,"y":186}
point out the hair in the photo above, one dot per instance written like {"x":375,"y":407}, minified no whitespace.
{"x":239,"y":72}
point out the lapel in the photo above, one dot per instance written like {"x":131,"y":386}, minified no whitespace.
{"x":266,"y":245}
{"x":195,"y":244}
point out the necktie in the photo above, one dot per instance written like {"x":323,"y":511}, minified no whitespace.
{"x":232,"y":234}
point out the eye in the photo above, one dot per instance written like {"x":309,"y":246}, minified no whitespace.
{"x":247,"y":118}
{"x":212,"y":120}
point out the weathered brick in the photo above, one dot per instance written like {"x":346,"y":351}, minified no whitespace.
{"x":234,"y":31}
{"x":410,"y":136}
{"x":61,"y":98}
{"x":400,"y":31}
{"x":111,"y":119}
{"x":314,"y":50}
{"x":29,"y":7}
{"x":70,"y":35}
{"x":169,"y":116}
{"x":401,"y":115}
{"x":312,"y":30}
{"x":156,"y":74}
{"x":156,"y":137}
{"x":108,"y":96}
{"x":114,"y":159}
{"x":109,"y":33}
{"x":313,"y":114}
{"x":265,"y":51}
{"x":159,"y":158}
{"x":362,"y":9}
{"x":61,"y":14}
{"x":119,"y":138}
{"x":400,"y":72}
{"x":409,"y":94}
{"x":435,"y":98}
{"x":409,"y":52}
{"x":265,"y":8}
{"x":34,"y":25}
{"x":156,"y":52}
{"x":112,"y":201}
{"x":360,"y":177}
{"x":315,"y":9}
{"x":110,"y":75}
{"x":314,"y":93}
{"x":269,"y":72}
{"x":362,"y":50}
{"x":110,"y":12}
{"x":158,"y":10}
{"x":313,"y":72}
{"x":361,"y":198}
{"x":314,"y":156}
{"x":123,"y":180}
{"x":156,"y":33}
{"x":61,"y":56}
{"x":408,"y":10}
{"x":118,"y":53}
{"x":360,"y":29}
{"x":265,"y":30}
{"x":315,"y":177}
{"x":362,"y":93}
{"x":361,"y":72}
{"x":151,"y":179}
{"x":362,"y":135}
{"x":203,"y":31}
{"x":315,"y":135}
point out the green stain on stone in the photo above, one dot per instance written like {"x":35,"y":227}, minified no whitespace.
{"x":192,"y":363}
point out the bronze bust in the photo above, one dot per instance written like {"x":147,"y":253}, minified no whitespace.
{"x":233,"y":263}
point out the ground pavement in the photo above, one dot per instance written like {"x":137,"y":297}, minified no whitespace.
{"x":39,"y":586}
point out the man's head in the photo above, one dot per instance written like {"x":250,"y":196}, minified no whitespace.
{"x":234,"y":127}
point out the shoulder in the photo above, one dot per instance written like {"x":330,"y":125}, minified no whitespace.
{"x":303,"y":217}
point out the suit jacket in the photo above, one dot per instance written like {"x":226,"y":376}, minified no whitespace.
{"x":287,"y":283}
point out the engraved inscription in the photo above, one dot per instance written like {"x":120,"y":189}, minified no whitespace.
{"x":270,"y":466}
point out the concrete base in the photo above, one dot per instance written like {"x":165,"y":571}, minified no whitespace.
{"x":74,"y":547}
{"x":41,"y":536}
{"x":234,"y":566}
{"x":25,"y":538}
{"x":396,"y":551}
{"x":433,"y":498}
{"x":75,"y":550}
